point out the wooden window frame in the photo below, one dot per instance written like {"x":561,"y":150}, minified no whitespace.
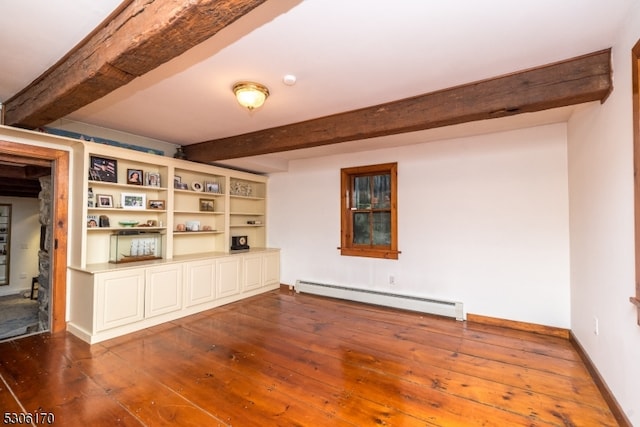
{"x":635,"y":64}
{"x":349,"y":248}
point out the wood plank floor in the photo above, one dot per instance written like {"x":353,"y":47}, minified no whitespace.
{"x":283,"y":359}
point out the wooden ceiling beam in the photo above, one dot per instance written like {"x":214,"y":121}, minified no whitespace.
{"x":23,"y":160}
{"x":35,"y":172}
{"x":11,"y":171}
{"x":12,"y":192}
{"x":21,"y":184}
{"x":574,"y":81}
{"x":16,"y":187}
{"x":138,"y":37}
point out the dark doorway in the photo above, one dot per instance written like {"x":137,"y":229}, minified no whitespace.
{"x":22,"y":162}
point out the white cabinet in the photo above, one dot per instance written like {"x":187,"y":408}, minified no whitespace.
{"x":252,"y":272}
{"x":120,"y":298}
{"x":228,"y":276}
{"x":271,"y":268}
{"x":260,"y":269}
{"x":163,"y":290}
{"x":199,"y":282}
{"x":108,"y":301}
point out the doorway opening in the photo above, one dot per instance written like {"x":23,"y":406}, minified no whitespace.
{"x":20,"y":165}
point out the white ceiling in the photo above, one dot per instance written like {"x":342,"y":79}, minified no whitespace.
{"x":346,"y":54}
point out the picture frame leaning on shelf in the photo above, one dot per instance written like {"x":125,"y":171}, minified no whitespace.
{"x":152,"y":179}
{"x":103,"y":169}
{"x":104,"y":201}
{"x":133,"y":200}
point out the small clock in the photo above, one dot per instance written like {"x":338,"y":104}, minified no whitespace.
{"x":239,"y":242}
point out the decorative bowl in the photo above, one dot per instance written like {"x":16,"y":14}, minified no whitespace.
{"x":128,"y":223}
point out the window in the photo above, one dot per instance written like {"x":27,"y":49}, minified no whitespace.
{"x":369,"y":226}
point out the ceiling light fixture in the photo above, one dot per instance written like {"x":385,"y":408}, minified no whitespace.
{"x":250,"y":95}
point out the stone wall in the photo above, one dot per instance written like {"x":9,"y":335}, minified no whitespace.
{"x":44,"y":259}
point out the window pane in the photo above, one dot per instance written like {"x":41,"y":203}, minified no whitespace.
{"x":382,"y":228}
{"x":361,"y":234}
{"x":362,"y":192}
{"x":381,"y":191}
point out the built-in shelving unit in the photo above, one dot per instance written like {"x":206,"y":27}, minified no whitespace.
{"x":197,"y":208}
{"x":183,"y":215}
{"x":247,"y":210}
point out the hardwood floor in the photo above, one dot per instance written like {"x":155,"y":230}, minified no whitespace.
{"x":300,"y":360}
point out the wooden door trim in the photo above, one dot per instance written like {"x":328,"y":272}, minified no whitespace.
{"x":60,"y":219}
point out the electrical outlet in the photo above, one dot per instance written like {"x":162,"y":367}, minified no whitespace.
{"x":392,"y":280}
{"x":596,"y":326}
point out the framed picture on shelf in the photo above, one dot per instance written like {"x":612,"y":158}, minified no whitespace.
{"x":156,"y":204}
{"x":133,"y":200}
{"x":207,"y":205}
{"x":103,"y":169}
{"x":104,"y":201}
{"x":92,"y":221}
{"x":134,"y":176}
{"x":177,"y":181}
{"x":197,"y":186}
{"x":212,"y":187}
{"x":152,"y":179}
{"x":103,"y":221}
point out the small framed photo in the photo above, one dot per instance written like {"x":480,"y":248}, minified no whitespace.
{"x":102,"y":169}
{"x":156,"y":204}
{"x":212,"y":187}
{"x":152,"y":179}
{"x":103,"y":221}
{"x":133,"y":200}
{"x":207,"y":205}
{"x":104,"y":201}
{"x":92,"y":221}
{"x":197,"y":186}
{"x":134,"y":176}
{"x":177,"y":181}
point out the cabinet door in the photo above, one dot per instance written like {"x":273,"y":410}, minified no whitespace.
{"x":163,"y":290}
{"x":228,"y":276}
{"x":120,"y":298}
{"x":200,"y":282}
{"x":271,"y":268}
{"x":252,"y":272}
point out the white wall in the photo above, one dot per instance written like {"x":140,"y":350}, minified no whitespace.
{"x":25,"y":243}
{"x":602,"y":230}
{"x":482,"y":220}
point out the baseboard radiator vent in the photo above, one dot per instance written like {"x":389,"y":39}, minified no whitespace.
{"x":405,"y":302}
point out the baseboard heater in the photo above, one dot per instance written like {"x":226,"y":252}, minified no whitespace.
{"x":406,"y":302}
